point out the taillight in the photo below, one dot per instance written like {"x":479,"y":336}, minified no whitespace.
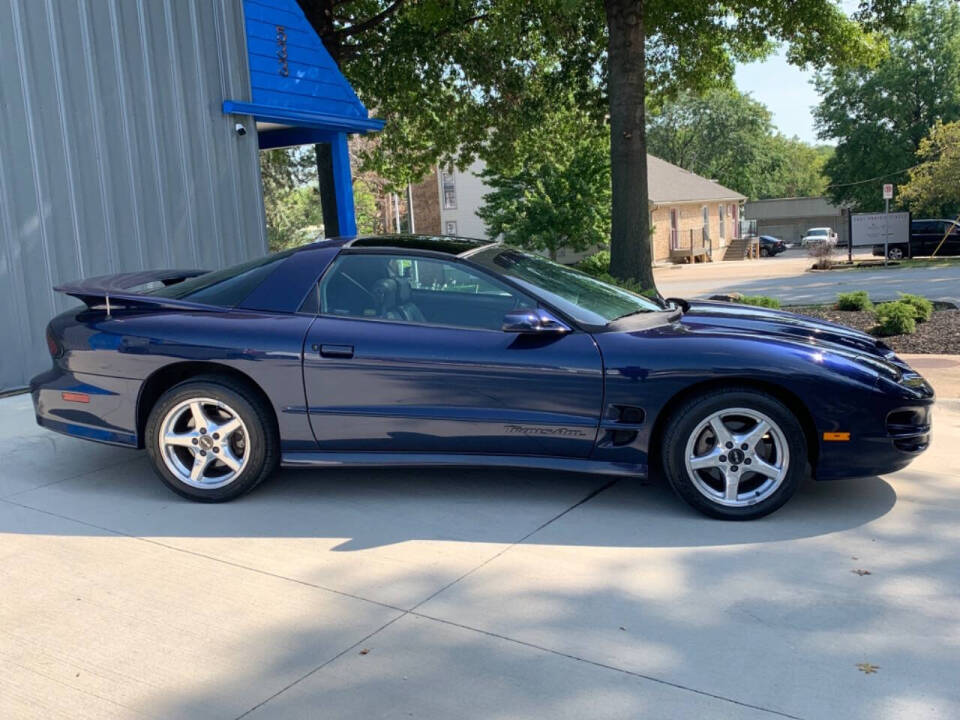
{"x":52,"y":345}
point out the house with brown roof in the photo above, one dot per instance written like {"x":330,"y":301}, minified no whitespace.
{"x":693,"y":218}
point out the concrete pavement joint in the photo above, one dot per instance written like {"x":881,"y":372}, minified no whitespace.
{"x":512,"y":545}
{"x":413,"y":611}
{"x":404,"y":613}
{"x":63,"y":480}
{"x":212,"y":558}
{"x":322,"y":665}
{"x":605,"y":666}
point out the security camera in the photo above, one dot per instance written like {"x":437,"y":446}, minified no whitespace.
{"x":240,"y":129}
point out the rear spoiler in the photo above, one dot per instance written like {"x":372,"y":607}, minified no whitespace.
{"x":121,"y":289}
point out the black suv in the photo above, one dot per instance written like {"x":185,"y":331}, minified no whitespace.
{"x":925,"y":236}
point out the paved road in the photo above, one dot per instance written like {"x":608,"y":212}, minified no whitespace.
{"x":468,"y":594}
{"x":785,"y":277}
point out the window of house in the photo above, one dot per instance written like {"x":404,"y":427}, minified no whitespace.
{"x":674,"y":228}
{"x":450,"y":227}
{"x":721,"y":216}
{"x":705,"y":214}
{"x":449,"y":190}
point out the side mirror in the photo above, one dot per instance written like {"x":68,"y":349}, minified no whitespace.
{"x":534,"y":322}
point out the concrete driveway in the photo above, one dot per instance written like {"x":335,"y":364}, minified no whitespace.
{"x":785,"y":277}
{"x":470,"y":594}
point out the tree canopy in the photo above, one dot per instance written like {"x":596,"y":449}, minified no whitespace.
{"x":934,"y":186}
{"x":553,"y":190}
{"x":459,"y":78}
{"x":728,"y":136}
{"x":879,"y":112}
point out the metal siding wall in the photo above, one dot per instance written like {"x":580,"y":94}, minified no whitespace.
{"x":114,"y":152}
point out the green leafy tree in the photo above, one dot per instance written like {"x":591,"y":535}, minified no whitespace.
{"x":291,"y":204}
{"x":553,"y":191}
{"x":934,"y":186}
{"x":728,"y":136}
{"x":454,"y":79}
{"x":879,"y":113}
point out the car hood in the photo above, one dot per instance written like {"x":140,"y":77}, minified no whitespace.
{"x":745,"y":319}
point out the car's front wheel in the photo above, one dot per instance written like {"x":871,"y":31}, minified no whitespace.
{"x":735,"y":453}
{"x":895,"y":253}
{"x":211,"y":439}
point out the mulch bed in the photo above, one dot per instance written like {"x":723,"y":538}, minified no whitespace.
{"x":940,"y":335}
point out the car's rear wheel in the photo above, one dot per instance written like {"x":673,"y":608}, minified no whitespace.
{"x":211,"y":439}
{"x":735,"y":453}
{"x":764,"y":252}
{"x":895,"y":253}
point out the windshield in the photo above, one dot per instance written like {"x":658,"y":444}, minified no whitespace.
{"x":817,"y":231}
{"x":582,"y":297}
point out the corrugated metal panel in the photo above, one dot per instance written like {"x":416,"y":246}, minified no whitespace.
{"x":114,"y":152}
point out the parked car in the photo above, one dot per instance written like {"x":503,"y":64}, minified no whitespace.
{"x":925,"y":237}
{"x":817,"y":235}
{"x":417,"y":351}
{"x":770,"y":246}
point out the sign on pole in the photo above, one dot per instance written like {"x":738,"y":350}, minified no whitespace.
{"x":888,"y":191}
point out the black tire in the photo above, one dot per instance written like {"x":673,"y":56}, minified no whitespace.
{"x":685,"y":420}
{"x":764,"y":252}
{"x":261,"y":435}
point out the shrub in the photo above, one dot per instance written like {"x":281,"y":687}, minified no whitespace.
{"x":597,"y":265}
{"x":922,"y":308}
{"x":822,"y":253}
{"x":857,"y":300}
{"x":895,"y":318}
{"x":760,"y":301}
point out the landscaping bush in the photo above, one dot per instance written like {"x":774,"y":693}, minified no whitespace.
{"x":822,"y":253}
{"x":922,"y":308}
{"x":895,"y":318}
{"x":760,"y":301}
{"x":597,"y":265}
{"x":857,"y":300}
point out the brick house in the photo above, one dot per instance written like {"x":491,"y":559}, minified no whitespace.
{"x":692,"y":217}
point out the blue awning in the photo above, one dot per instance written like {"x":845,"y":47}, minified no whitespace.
{"x":293,"y":80}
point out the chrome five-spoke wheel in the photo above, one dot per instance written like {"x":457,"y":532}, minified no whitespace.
{"x":204,"y":442}
{"x":737,"y":457}
{"x":734,"y":452}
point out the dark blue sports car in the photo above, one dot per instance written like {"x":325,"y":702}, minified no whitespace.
{"x":410,"y":350}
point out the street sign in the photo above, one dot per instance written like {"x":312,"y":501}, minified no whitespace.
{"x":888,"y":191}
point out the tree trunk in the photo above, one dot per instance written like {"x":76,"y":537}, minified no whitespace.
{"x":630,"y":248}
{"x":328,"y":191}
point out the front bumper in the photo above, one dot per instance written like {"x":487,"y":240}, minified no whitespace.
{"x":108,"y":414}
{"x":885,"y":435}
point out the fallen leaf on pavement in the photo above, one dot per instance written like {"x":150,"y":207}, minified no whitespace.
{"x":867,"y":668}
{"x":861,"y":573}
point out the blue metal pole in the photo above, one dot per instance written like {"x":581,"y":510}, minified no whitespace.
{"x":346,"y":215}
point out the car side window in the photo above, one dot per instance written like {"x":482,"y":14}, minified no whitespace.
{"x":416,"y":289}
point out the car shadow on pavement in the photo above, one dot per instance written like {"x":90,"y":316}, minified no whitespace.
{"x":372,"y":508}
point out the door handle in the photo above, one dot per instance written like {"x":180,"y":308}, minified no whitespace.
{"x":335,"y":351}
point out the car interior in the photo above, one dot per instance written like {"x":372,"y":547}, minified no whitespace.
{"x":417,"y":290}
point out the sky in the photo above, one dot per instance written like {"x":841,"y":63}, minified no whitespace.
{"x":787,"y":92}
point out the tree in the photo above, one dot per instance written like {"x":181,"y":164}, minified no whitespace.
{"x":728,"y":136}
{"x":553,"y":191}
{"x":293,"y":215}
{"x":457,"y":78}
{"x":880,"y":113}
{"x":934,"y":186}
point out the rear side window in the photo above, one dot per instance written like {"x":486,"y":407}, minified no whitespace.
{"x":228,"y":287}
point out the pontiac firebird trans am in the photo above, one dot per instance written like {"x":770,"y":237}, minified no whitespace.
{"x":440,"y":351}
